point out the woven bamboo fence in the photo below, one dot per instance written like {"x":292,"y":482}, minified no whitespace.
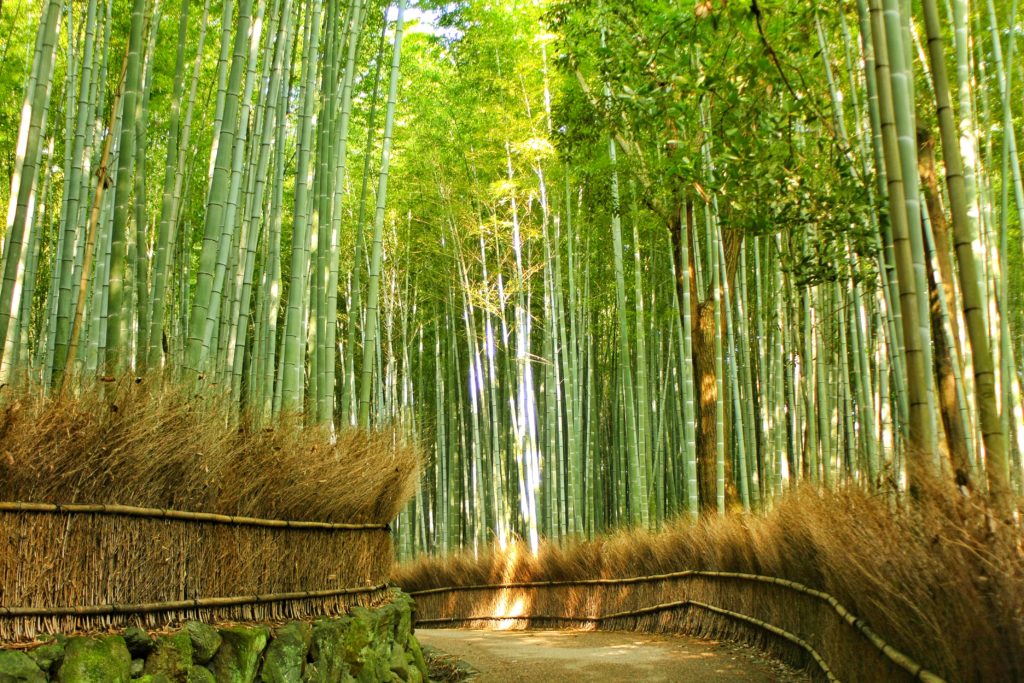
{"x":803,"y":626}
{"x":77,"y":567}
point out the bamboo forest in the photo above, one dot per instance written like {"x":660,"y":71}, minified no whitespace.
{"x":549,"y":291}
{"x":611,"y":263}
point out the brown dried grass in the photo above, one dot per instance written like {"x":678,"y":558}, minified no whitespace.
{"x":167,"y":448}
{"x":170,"y":448}
{"x":86,"y":560}
{"x":940,"y":580}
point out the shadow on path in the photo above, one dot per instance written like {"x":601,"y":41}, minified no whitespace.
{"x":566,"y":656}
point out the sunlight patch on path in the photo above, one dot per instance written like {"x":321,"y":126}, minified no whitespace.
{"x":565,"y":656}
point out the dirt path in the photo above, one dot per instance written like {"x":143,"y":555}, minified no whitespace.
{"x":569,"y":656}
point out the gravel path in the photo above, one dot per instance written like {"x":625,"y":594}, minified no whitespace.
{"x":568,"y":656}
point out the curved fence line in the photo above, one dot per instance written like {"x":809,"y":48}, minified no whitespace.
{"x":791,"y":637}
{"x":181,"y":515}
{"x":196,"y":603}
{"x":894,"y":655}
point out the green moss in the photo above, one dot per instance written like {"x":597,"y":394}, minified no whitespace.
{"x":48,"y":655}
{"x":18,"y":667}
{"x":368,"y":643}
{"x":153,"y":678}
{"x":327,"y":651}
{"x":417,"y":657}
{"x":403,"y":606}
{"x":399,"y":664}
{"x":285,"y":659}
{"x":139,"y":642}
{"x":238,"y":657}
{"x":137,"y":668}
{"x":200,"y":674}
{"x":95,"y":660}
{"x":172,"y":657}
{"x":205,"y":641}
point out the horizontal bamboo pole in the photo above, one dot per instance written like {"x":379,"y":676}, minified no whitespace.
{"x":180,"y":515}
{"x":681,"y":604}
{"x":554,"y":584}
{"x":772,"y":628}
{"x":894,"y":655}
{"x":491,"y":617}
{"x":196,"y":603}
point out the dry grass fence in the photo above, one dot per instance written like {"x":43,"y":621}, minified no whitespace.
{"x":940,"y":581}
{"x":133,"y":505}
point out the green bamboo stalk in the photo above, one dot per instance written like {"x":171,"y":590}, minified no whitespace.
{"x":890,"y":88}
{"x":23,"y":181}
{"x":61,"y":331}
{"x":964,"y":239}
{"x":215,"y":224}
{"x":295,"y":327}
{"x":373,"y":283}
{"x":117,"y":319}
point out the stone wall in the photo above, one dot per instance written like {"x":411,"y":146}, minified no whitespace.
{"x":366,"y":645}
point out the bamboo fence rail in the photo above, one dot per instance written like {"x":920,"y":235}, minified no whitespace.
{"x":680,"y":604}
{"x":901,"y":660}
{"x":85,"y":566}
{"x":162,"y":513}
{"x":196,"y":603}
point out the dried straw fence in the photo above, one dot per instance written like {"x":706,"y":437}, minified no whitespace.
{"x":72,"y":567}
{"x":804,"y":626}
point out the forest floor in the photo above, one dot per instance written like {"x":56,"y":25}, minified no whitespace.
{"x":565,"y":656}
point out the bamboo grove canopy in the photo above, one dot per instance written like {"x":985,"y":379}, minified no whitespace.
{"x":611,"y":261}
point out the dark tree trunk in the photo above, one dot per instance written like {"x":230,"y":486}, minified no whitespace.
{"x":949,"y":400}
{"x":702,"y":319}
{"x":707,"y":397}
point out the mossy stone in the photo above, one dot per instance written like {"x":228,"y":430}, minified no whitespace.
{"x":137,"y":667}
{"x":414,"y":649}
{"x":238,"y":656}
{"x":358,"y":648}
{"x":205,"y":641}
{"x":153,"y":678}
{"x":371,"y":648}
{"x":172,"y":657}
{"x":286,"y":656}
{"x":382,"y":622}
{"x":139,"y":642}
{"x":200,"y":674}
{"x":327,"y":652}
{"x":403,"y":605}
{"x":49,"y":654}
{"x":399,"y":664}
{"x":18,"y":667}
{"x":95,"y":660}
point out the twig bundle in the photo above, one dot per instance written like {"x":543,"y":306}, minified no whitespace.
{"x":88,"y":560}
{"x":169,"y":448}
{"x":137,"y":499}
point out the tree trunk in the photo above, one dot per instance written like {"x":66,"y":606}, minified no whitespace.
{"x":707,"y":393}
{"x":989,"y":419}
{"x":942,"y":358}
{"x":702,"y":319}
